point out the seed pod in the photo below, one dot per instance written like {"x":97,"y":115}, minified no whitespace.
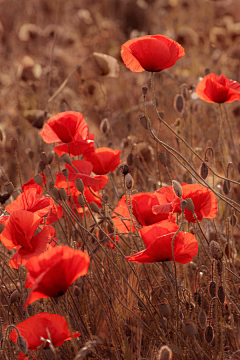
{"x":22,"y":344}
{"x":202,"y":319}
{"x":4,"y":197}
{"x":110,"y":228}
{"x":65,"y":172}
{"x":203,"y":171}
{"x":9,"y":188}
{"x":15,"y":295}
{"x":233,"y":220}
{"x":209,"y":334}
{"x":212,"y":289}
{"x":79,"y":185}
{"x":93,"y":206}
{"x":56,"y":194}
{"x":183,"y":205}
{"x":221,"y":294}
{"x":14,"y":143}
{"x":179,"y":103}
{"x":81,"y":200}
{"x":101,"y":235}
{"x":190,"y":205}
{"x":226,"y":187}
{"x":163,"y":158}
{"x":165,"y":353}
{"x":63,"y":194}
{"x":198,"y":298}
{"x":66,"y":158}
{"x":128,"y":181}
{"x":144,"y":90}
{"x":144,"y":121}
{"x":104,"y":126}
{"x":177,"y":188}
{"x":215,"y":250}
{"x":44,"y":158}
{"x":41,"y":166}
{"x":190,"y":330}
{"x":38,"y":180}
{"x":125,"y":169}
{"x":76,"y":290}
{"x":165,"y":310}
{"x":105,"y":198}
{"x":130,"y":159}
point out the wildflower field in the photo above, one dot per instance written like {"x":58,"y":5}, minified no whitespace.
{"x":119,"y":179}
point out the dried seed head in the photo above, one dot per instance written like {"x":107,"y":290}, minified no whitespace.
{"x":221,"y":294}
{"x":190,"y":330}
{"x":41,"y":166}
{"x":65,"y":172}
{"x":128,"y":181}
{"x":190,"y":205}
{"x":38,"y":180}
{"x":15,"y":295}
{"x":165,"y":310}
{"x":226,"y":187}
{"x":44,"y":158}
{"x":177,"y":188}
{"x":212,"y":289}
{"x":79,"y":185}
{"x":76,"y":290}
{"x":66,"y":158}
{"x":104,"y":126}
{"x":81,"y":200}
{"x":94,"y":207}
{"x":203,"y":171}
{"x":130,"y":159}
{"x":233,"y":220}
{"x":179,"y":103}
{"x":165,"y":353}
{"x":202,"y":319}
{"x":144,"y":90}
{"x":183,"y":205}
{"x":22,"y":344}
{"x":215,"y":250}
{"x":56,"y":194}
{"x":9,"y":188}
{"x":16,"y":193}
{"x":63,"y":194}
{"x":163,"y":158}
{"x":209,"y":334}
{"x":144,"y":122}
{"x":14,"y":143}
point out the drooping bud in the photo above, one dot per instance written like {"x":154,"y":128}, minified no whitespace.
{"x":177,"y":188}
{"x":79,"y":185}
{"x":94,"y":207}
{"x":165,"y":353}
{"x":203,"y":171}
{"x":9,"y":188}
{"x":190,"y":330}
{"x":190,"y":205}
{"x":144,"y":90}
{"x":144,"y":121}
{"x":215,"y":250}
{"x":44,"y":158}
{"x":22,"y":344}
{"x":56,"y":194}
{"x":38,"y":180}
{"x":128,"y":181}
{"x":66,"y":158}
{"x":63,"y":194}
{"x":226,"y":187}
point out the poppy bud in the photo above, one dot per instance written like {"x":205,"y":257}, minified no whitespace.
{"x":202,"y":319}
{"x":15,"y":295}
{"x":226,"y":187}
{"x":190,"y":205}
{"x":165,"y":310}
{"x":203,"y":171}
{"x":183,"y":205}
{"x":110,"y":228}
{"x":44,"y":158}
{"x":9,"y":188}
{"x":94,"y":207}
{"x":16,"y":193}
{"x":38,"y":180}
{"x":221,"y":294}
{"x":22,"y":344}
{"x":104,"y":126}
{"x":128,"y":181}
{"x":144,"y":121}
{"x":163,"y":158}
{"x":144,"y":90}
{"x":233,"y":220}
{"x":14,"y":143}
{"x":81,"y":200}
{"x":50,"y":157}
{"x":177,"y":188}
{"x":41,"y":166}
{"x":105,"y":198}
{"x":130,"y":159}
{"x":63,"y":194}
{"x":56,"y":194}
{"x":190,"y":330}
{"x":212,"y":289}
{"x":66,"y":158}
{"x":124,"y":168}
{"x":209,"y":334}
{"x":65,"y":172}
{"x":179,"y":103}
{"x":79,"y":185}
{"x":215,"y":250}
{"x":76,"y":290}
{"x":165,"y":353}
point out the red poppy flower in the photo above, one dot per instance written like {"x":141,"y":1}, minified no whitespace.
{"x":38,"y":326}
{"x":51,"y":273}
{"x":71,"y":130}
{"x":142,"y":205}
{"x":158,"y":239}
{"x":103,"y":160}
{"x":218,"y":89}
{"x":205,"y":202}
{"x":151,"y":53}
{"x":31,"y":184}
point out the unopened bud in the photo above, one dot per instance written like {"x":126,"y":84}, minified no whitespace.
{"x":203,"y":171}
{"x":165,"y":310}
{"x":63,"y":194}
{"x":130,"y":159}
{"x":202,"y":319}
{"x":41,"y":166}
{"x":38,"y":180}
{"x":93,"y":206}
{"x":44,"y":158}
{"x":104,"y":126}
{"x":66,"y":158}
{"x":65,"y":172}
{"x":179,"y":103}
{"x":144,"y":90}
{"x":165,"y":353}
{"x":81,"y":200}
{"x":183,"y":205}
{"x":76,"y":290}
{"x":177,"y":188}
{"x":56,"y":194}
{"x":110,"y":228}
{"x":14,"y":143}
{"x":215,"y":250}
{"x":128,"y":181}
{"x":105,"y":198}
{"x":9,"y":188}
{"x":50,"y":157}
{"x":79,"y":185}
{"x":14,"y":296}
{"x":190,"y":330}
{"x":163,"y":158}
{"x":144,"y":121}
{"x":190,"y":205}
{"x":22,"y":344}
{"x":209,"y":334}
{"x":226,"y":187}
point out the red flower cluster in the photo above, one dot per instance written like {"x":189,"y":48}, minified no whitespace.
{"x":37,"y":327}
{"x":151,"y":53}
{"x":51,"y":273}
{"x":218,"y":89}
